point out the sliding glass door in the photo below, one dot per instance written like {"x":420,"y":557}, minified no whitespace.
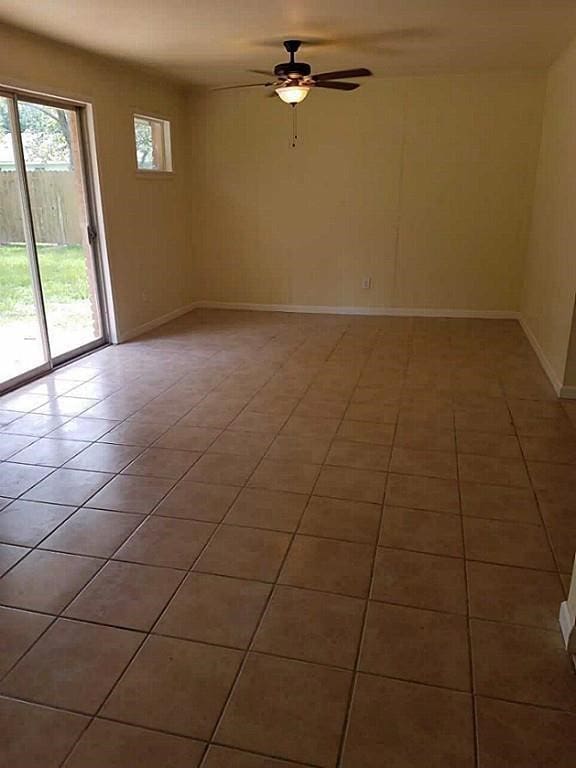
{"x":50,"y":298}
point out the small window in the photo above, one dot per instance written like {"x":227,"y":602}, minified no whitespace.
{"x":153,"y":152}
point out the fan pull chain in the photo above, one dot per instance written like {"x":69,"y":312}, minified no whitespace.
{"x":294,"y":125}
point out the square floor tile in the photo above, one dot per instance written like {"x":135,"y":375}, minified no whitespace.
{"x":483,"y":421}
{"x":215,"y":414}
{"x":46,"y":581}
{"x":162,"y":462}
{"x":12,"y":444}
{"x":246,"y":553}
{"x":289,"y":709}
{"x":34,"y":424}
{"x":175,"y":685}
{"x":276,"y":510}
{"x":411,"y":643}
{"x":410,"y":461}
{"x":253,"y":444}
{"x":132,"y":494}
{"x":36,"y":737}
{"x":10,"y":555}
{"x":366,"y":432}
{"x":166,"y":541}
{"x":312,"y":426}
{"x":28,"y":522}
{"x":81,"y":428}
{"x":105,"y":457}
{"x":134,"y":433}
{"x":507,"y":543}
{"x":68,"y":486}
{"x":514,"y":595}
{"x":421,"y":437}
{"x":187,"y":438}
{"x":313,"y":407}
{"x":522,"y":664}
{"x":347,"y":453}
{"x":489,"y":444}
{"x":49,"y":452}
{"x":518,"y":734}
{"x":438,"y":533}
{"x":329,"y":566}
{"x":67,"y":406}
{"x":493,"y":469}
{"x":126,"y":595}
{"x":116,"y":745}
{"x":285,"y":476}
{"x":432,"y":726}
{"x":22,"y":400}
{"x":546,"y":475}
{"x":299,"y":448}
{"x":215,"y":609}
{"x":337,"y":519}
{"x":550,"y":449}
{"x":535,"y":427}
{"x":95,"y":532}
{"x":372,"y":412}
{"x":561,"y":528}
{"x":499,"y":502}
{"x":198,"y":501}
{"x":223,"y":469}
{"x":431,"y":493}
{"x":224,"y":757}
{"x":18,"y":630}
{"x":15,"y":479}
{"x":254,"y":421}
{"x":420,"y":580}
{"x":311,"y":626}
{"x":72,"y":666}
{"x":354,"y":484}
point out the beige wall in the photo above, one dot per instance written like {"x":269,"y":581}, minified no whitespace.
{"x":146,"y":218}
{"x":424,"y":184}
{"x":550,"y":275}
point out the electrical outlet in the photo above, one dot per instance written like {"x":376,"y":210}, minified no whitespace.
{"x":366,"y":283}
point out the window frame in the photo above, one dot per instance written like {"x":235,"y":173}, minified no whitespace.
{"x":163,"y":143}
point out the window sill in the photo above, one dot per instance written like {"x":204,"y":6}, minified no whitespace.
{"x":154,"y":174}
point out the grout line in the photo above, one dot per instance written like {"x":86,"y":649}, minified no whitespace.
{"x":348,"y":714}
{"x":471,"y":675}
{"x":264,"y":610}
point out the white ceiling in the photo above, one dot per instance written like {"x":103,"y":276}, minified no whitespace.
{"x":212,"y":42}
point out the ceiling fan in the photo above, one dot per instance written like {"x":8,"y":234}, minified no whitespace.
{"x":293,"y":80}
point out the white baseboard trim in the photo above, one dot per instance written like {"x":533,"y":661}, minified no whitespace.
{"x":568,"y":627}
{"x":151,"y":324}
{"x":479,"y":314}
{"x":544,"y":362}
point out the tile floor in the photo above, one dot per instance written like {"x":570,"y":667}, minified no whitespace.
{"x":255,"y":540}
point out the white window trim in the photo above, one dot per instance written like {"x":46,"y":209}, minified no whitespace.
{"x":155,"y":173}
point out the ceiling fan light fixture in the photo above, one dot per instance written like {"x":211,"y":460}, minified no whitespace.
{"x":293,"y":94}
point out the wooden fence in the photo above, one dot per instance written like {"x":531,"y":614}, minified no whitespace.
{"x":55,"y":209}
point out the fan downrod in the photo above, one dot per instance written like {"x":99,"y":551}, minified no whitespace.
{"x":292,"y":70}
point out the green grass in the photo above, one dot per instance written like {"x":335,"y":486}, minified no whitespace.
{"x":63,"y":271}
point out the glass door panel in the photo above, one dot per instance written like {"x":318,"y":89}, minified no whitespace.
{"x":23,"y":345}
{"x":55,"y":176}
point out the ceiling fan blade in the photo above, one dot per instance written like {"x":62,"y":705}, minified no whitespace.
{"x":262,"y":72}
{"x":338,"y":86}
{"x":245,"y":85}
{"x":345,"y":73}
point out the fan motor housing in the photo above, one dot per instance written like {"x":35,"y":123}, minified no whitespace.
{"x":292,"y":69}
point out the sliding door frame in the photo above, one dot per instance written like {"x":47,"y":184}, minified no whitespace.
{"x":88,"y":186}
